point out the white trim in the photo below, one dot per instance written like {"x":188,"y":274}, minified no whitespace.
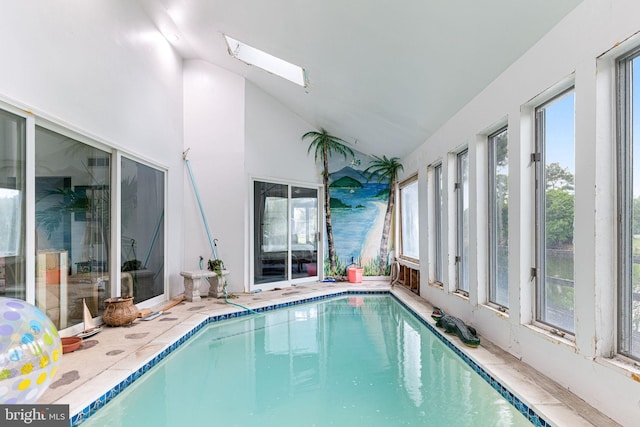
{"x":563,"y":85}
{"x":63,"y":127}
{"x":30,"y":210}
{"x":116,"y":219}
{"x":412,"y":180}
{"x":620,"y":48}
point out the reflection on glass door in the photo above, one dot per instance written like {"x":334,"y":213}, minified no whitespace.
{"x":304,"y":231}
{"x":142,"y":233}
{"x":270,"y":238}
{"x":285,"y":232}
{"x":12,"y":205}
{"x":73,"y":237}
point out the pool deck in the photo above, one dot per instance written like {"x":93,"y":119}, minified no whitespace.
{"x":106,"y":359}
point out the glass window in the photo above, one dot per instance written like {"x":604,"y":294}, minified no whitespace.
{"x":72,"y":209}
{"x":271,"y":230}
{"x":304,"y":232}
{"x":12,"y":206}
{"x":462,"y":189}
{"x":499,"y":218}
{"x":72,"y":224}
{"x":266,"y":61}
{"x":629,"y":205}
{"x":555,"y":170}
{"x":409,"y":235}
{"x":437,"y":222}
{"x":142,"y":231}
{"x":285,"y":232}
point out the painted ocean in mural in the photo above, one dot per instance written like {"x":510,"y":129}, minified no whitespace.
{"x":358,"y":206}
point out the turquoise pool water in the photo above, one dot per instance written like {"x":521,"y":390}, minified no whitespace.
{"x":349,"y":361}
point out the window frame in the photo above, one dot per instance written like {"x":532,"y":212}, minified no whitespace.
{"x":461,"y":197}
{"x":23,"y":148}
{"x":624,"y":94}
{"x":413,"y":180}
{"x":101,"y":264}
{"x":120,"y":158}
{"x":438,"y":271}
{"x":539,"y":159}
{"x":492,"y":219}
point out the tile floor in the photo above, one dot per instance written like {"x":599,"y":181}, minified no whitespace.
{"x":107,"y":358}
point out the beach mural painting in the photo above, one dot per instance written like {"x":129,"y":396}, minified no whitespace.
{"x":358,"y":206}
{"x":358,"y":217}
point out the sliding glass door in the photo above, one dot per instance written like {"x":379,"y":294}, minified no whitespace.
{"x":73,"y":199}
{"x":73,"y":237}
{"x":285,"y":232}
{"x":271,"y":259}
{"x":12,"y":205}
{"x":60,"y":212}
{"x":304,"y":232}
{"x":142,"y":230}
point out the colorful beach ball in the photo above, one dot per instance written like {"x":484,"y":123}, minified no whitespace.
{"x":30,"y":351}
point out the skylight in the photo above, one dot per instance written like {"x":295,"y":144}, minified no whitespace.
{"x":267,"y":62}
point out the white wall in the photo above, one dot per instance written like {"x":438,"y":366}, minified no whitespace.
{"x":569,"y":52}
{"x":274,"y":151}
{"x":235,"y":133}
{"x":102,"y":69}
{"x":273,"y":140}
{"x":100,"y":66}
{"x":214,"y":109}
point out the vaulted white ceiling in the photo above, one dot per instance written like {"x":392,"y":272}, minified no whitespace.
{"x":383,"y":74}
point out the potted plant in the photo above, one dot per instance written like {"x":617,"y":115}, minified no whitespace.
{"x":216,"y":265}
{"x":218,"y":288}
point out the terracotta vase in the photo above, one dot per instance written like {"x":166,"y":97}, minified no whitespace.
{"x":119,"y":311}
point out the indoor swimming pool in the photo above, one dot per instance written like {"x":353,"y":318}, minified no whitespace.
{"x":350,"y":360}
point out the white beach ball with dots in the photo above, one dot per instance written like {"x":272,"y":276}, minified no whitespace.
{"x":30,"y":351}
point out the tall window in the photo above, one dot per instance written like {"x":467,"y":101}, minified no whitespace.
{"x":555,"y":168}
{"x":142,"y":230}
{"x":462,"y":189}
{"x":12,"y":206}
{"x":498,"y":218}
{"x":409,"y":219}
{"x":73,"y":238}
{"x":437,"y":222}
{"x":629,"y":204}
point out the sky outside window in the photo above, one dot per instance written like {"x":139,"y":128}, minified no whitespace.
{"x":635,"y":126}
{"x":560,"y":132}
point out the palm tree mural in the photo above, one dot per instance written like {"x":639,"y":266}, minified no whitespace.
{"x":385,"y":169}
{"x":324,"y":146}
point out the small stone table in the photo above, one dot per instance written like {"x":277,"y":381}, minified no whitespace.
{"x":193,"y":281}
{"x":217,"y":285}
